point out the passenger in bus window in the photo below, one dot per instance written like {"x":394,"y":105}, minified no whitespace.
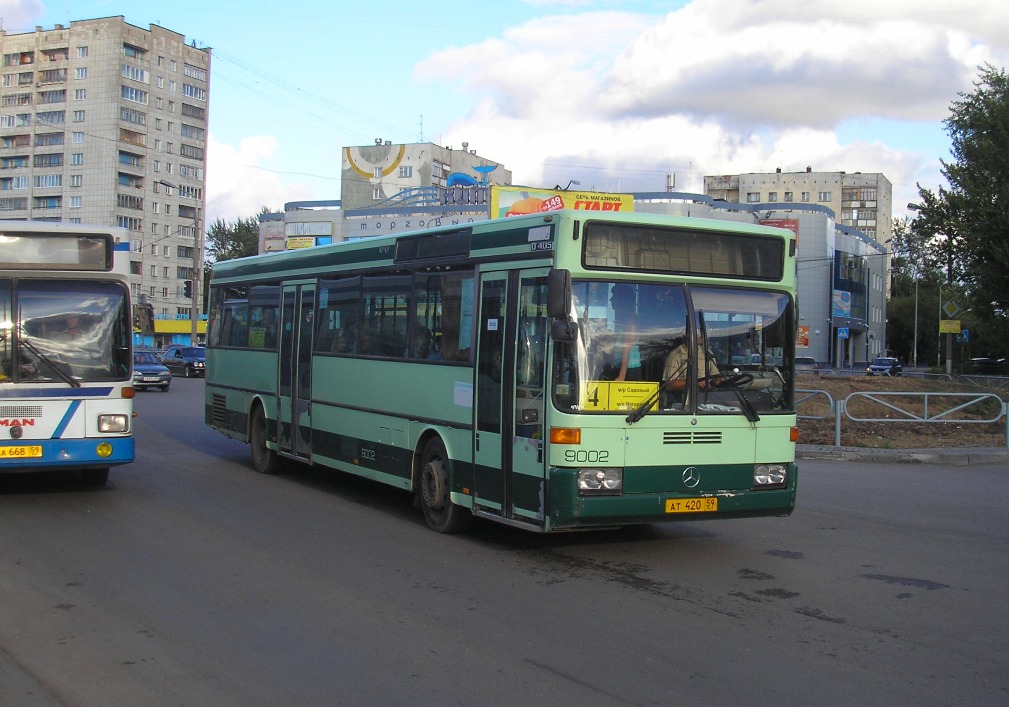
{"x":627,"y":353}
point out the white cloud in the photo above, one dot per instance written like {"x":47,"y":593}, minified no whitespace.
{"x":618,"y":100}
{"x":20,"y":15}
{"x":240,"y":181}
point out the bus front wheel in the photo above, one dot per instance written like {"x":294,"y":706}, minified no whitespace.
{"x":440,"y":513}
{"x":264,"y":459}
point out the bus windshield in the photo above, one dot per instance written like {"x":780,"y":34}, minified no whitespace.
{"x":676,"y":349}
{"x":69,"y":331}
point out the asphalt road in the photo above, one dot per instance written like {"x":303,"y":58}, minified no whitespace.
{"x":191,"y":580}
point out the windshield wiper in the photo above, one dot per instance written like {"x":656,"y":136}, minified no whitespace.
{"x":66,"y":377}
{"x":746,"y":405}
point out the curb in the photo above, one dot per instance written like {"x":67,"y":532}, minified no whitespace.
{"x":950,"y":456}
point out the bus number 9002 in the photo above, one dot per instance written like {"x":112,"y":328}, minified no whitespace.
{"x":586,"y":456}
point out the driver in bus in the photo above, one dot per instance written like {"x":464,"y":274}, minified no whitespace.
{"x":678,"y":363}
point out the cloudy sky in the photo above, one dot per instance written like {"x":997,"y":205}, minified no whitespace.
{"x":620,"y":95}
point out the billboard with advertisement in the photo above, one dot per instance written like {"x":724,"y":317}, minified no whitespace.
{"x":841,"y":304}
{"x":519,"y":201}
{"x":802,"y":337}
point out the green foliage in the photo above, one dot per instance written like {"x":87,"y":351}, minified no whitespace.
{"x":238,"y":239}
{"x":961,"y":234}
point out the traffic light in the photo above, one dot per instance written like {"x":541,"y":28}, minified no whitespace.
{"x":187,"y":289}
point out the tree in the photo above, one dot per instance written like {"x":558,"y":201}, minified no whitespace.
{"x":965,"y":228}
{"x":226,"y":241}
{"x":978,"y":199}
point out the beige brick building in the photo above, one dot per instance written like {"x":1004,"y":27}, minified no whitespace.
{"x":105,"y":123}
{"x":861,"y":200}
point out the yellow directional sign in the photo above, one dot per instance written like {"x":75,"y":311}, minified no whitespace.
{"x":949,"y":326}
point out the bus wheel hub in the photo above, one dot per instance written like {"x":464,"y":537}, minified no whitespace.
{"x":434,"y":484}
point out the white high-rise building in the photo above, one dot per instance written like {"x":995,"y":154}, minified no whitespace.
{"x":105,"y":123}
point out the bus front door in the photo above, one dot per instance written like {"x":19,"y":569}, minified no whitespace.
{"x":294,"y":414}
{"x":508,"y":444}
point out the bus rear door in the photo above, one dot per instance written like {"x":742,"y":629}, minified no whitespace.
{"x":294,"y":416}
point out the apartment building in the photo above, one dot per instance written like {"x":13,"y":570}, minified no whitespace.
{"x":105,"y":123}
{"x":863,"y":201}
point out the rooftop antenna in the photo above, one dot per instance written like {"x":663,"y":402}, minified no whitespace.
{"x":421,"y":128}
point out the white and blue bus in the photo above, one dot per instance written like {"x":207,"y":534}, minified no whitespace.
{"x":66,"y":382}
{"x":553,"y":372}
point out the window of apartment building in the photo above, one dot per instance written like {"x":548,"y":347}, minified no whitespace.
{"x":406,"y":172}
{"x":173,"y":65}
{"x":166,"y":250}
{"x":160,"y":82}
{"x":82,"y":52}
{"x":150,"y":292}
{"x":59,"y":96}
{"x":133,"y":51}
{"x":75,"y":202}
{"x":164,"y":293}
{"x":164,"y":271}
{"x":805,"y":196}
{"x":155,"y":209}
{"x":48,"y":139}
{"x":136,"y":268}
{"x":185,"y":251}
{"x":77,"y":158}
{"x":80,"y":94}
{"x":161,"y":61}
{"x":51,"y":117}
{"x":132,"y":115}
{"x":136,"y":95}
{"x":45,"y":181}
{"x":376,"y":193}
{"x":752,"y":197}
{"x":154,"y":249}
{"x":78,"y":116}
{"x":171,"y":106}
{"x":788,"y":196}
{"x":154,"y":273}
{"x":823,"y":196}
{"x":81,"y":72}
{"x":77,"y":138}
{"x":157,"y":165}
{"x":157,"y":103}
{"x":76,"y":180}
{"x":772,"y":196}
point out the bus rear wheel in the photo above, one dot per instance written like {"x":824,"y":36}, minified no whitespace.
{"x":264,"y":459}
{"x":440,"y":513}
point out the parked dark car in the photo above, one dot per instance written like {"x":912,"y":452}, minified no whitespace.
{"x":988,"y":366}
{"x":884,"y":367}
{"x":150,"y":372}
{"x":187,"y":361}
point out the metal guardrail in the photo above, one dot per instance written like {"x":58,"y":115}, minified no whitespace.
{"x":922,"y":413}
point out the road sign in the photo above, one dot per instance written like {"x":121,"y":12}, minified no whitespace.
{"x":842,"y":332}
{"x":951,"y":308}
{"x":949,"y":326}
{"x":963,"y":337}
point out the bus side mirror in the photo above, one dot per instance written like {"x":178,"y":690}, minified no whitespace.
{"x":563,"y":331}
{"x":558,"y":294}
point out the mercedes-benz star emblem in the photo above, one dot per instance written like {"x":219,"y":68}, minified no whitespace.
{"x":691,"y":477}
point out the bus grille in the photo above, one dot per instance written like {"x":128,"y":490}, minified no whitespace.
{"x":218,"y":408}
{"x":692,"y":437}
{"x":20,"y":411}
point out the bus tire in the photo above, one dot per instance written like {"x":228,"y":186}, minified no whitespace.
{"x":441,"y":514}
{"x":264,"y":459}
{"x":95,"y":477}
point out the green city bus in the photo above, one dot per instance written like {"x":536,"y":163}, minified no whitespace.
{"x":559,"y":371}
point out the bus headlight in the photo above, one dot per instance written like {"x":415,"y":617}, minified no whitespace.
{"x":114,"y":423}
{"x":768,"y":475}
{"x":601,"y":482}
